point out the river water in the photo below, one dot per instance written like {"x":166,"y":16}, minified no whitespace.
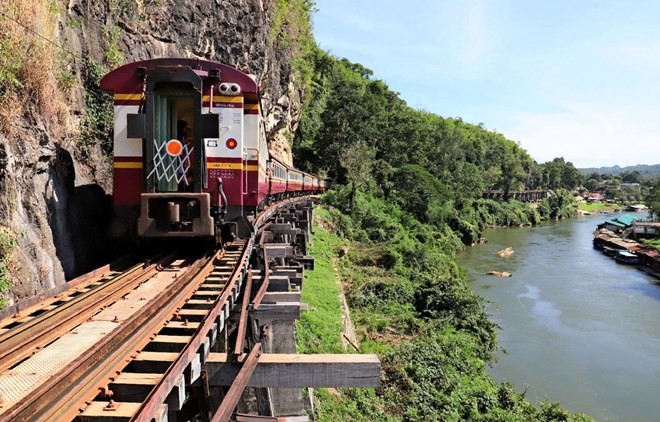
{"x":577,"y":327}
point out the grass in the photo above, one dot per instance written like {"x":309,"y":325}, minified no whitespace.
{"x":597,"y":207}
{"x":31,"y":65}
{"x":320,"y":328}
{"x":7,"y":244}
{"x":651,"y":242}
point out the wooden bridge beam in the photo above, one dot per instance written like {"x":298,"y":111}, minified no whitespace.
{"x":278,"y":370}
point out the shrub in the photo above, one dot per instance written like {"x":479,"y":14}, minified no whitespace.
{"x":7,"y":244}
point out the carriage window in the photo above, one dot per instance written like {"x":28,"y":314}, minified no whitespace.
{"x":173,"y":120}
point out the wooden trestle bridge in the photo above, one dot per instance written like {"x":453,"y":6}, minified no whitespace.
{"x":522,"y":195}
{"x":184,"y":336}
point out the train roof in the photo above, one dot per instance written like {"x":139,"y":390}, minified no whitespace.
{"x":125,"y":79}
{"x":283,"y":164}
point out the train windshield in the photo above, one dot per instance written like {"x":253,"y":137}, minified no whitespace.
{"x":173,"y":121}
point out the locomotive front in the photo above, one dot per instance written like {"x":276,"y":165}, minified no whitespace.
{"x":181,"y":157}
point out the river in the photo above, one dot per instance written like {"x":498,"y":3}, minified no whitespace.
{"x":576,"y":326}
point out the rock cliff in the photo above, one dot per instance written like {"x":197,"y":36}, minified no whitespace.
{"x":55,"y":190}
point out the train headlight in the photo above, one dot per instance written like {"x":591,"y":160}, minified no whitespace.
{"x":174,"y":147}
{"x":231,"y":143}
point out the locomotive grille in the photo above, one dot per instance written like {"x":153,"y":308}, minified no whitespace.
{"x":170,"y":168}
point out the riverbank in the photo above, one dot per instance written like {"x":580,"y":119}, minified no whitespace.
{"x":432,"y":337}
{"x":628,"y":251}
{"x":576,"y":327}
{"x":600,"y":207}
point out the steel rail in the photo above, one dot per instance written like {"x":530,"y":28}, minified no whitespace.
{"x":265,"y":274}
{"x":55,"y":400}
{"x":230,"y":401}
{"x":80,"y":282}
{"x":243,"y":318}
{"x":266,"y":214}
{"x":19,"y":342}
{"x":261,"y":224}
{"x":159,"y":394}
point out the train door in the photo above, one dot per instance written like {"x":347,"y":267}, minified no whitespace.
{"x":173,"y":141}
{"x":245,"y":172}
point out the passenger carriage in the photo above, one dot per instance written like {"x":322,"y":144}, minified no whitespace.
{"x":190,"y":152}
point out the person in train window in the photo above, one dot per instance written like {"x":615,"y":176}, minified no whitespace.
{"x":184,"y":134}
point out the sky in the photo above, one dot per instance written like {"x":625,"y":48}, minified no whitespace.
{"x":577,"y":79}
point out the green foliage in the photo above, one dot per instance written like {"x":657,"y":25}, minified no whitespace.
{"x":73,"y":23}
{"x":65,"y":77}
{"x":319,"y":328}
{"x":451,"y":300}
{"x":418,"y":192}
{"x":559,"y":173}
{"x":408,"y":194}
{"x":114,"y":56}
{"x":98,"y":123}
{"x":561,"y":204}
{"x":651,"y":242}
{"x":7,"y":244}
{"x":438,"y":377}
{"x":652,"y":199}
{"x":119,"y":7}
{"x":598,"y":206}
{"x":291,"y":29}
{"x":9,"y":67}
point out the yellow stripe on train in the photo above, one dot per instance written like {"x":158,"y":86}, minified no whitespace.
{"x":125,"y":97}
{"x":210,"y":166}
{"x":127,"y":165}
{"x":230,"y":166}
{"x":223,"y":99}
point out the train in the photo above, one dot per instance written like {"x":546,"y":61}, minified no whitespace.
{"x":190,"y":154}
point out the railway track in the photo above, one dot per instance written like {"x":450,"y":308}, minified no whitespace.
{"x":59,"y":314}
{"x":134,"y":345}
{"x":105,"y":329}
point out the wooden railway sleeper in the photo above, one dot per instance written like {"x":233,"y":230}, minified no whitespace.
{"x":55,"y":400}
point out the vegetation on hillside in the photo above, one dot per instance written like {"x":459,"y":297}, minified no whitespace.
{"x":291,"y":29}
{"x":625,"y":187}
{"x":652,"y":199}
{"x":407,"y":194}
{"x":364,"y":136}
{"x":418,"y":314}
{"x":33,"y":70}
{"x":640,"y":169}
{"x":8,"y":241}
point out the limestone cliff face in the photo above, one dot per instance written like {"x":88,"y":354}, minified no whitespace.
{"x":55,"y":203}
{"x":236,"y":32}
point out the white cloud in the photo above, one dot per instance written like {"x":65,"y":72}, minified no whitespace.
{"x":562,"y":80}
{"x":588,"y":135}
{"x":476,"y":33}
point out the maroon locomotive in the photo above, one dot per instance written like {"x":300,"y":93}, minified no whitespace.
{"x":190,"y":153}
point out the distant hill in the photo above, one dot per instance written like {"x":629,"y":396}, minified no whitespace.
{"x":643,"y":169}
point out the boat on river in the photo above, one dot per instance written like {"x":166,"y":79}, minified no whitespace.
{"x":610,"y":251}
{"x":627,"y":257}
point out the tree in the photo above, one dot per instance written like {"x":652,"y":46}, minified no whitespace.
{"x":591,"y":185}
{"x":630,"y":176}
{"x":513,"y":172}
{"x":419,"y":192}
{"x":652,"y":200}
{"x":561,"y":204}
{"x":571,"y":177}
{"x":358,"y":162}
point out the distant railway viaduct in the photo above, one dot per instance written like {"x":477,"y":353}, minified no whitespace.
{"x":524,"y":195}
